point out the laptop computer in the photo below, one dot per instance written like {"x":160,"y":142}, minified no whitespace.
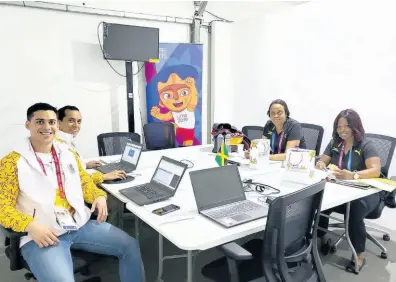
{"x":220,"y":196}
{"x":162,"y":186}
{"x":129,"y":159}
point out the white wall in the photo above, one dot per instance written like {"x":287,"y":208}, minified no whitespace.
{"x":236,"y":59}
{"x":54,"y":57}
{"x":321,"y":57}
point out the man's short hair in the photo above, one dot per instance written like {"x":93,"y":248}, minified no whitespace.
{"x":62,"y":111}
{"x":39,"y":107}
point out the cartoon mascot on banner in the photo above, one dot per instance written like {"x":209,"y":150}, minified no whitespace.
{"x":178,"y":98}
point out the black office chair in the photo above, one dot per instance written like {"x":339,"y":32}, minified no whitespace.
{"x":253,"y":132}
{"x":385,"y":146}
{"x":289,"y":250}
{"x":113,"y":143}
{"x":159,"y":135}
{"x":313,"y":135}
{"x":81,"y":260}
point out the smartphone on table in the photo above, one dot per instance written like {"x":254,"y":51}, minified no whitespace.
{"x":166,"y":209}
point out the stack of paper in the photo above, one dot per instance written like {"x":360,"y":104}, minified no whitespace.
{"x":381,"y":183}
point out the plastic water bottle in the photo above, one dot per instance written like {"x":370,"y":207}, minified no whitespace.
{"x":254,"y":155}
{"x":220,"y":140}
{"x":228,"y":142}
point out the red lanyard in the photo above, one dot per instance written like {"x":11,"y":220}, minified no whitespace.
{"x":349,"y":165}
{"x":341,"y":155}
{"x":58,"y":171}
{"x":279,"y":143}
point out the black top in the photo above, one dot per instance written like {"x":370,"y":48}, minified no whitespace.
{"x":361,"y":151}
{"x":291,"y":131}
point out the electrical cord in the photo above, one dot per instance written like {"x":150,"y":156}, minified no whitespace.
{"x":250,"y":186}
{"x":189,"y":163}
{"x":101,"y":48}
{"x":139,"y":69}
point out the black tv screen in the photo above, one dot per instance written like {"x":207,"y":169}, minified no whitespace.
{"x":130,"y":43}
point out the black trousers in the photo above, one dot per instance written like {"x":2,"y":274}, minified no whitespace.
{"x":357,"y":229}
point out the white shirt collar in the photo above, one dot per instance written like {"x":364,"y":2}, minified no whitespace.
{"x":67,"y":138}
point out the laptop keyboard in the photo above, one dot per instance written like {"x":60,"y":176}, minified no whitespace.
{"x":149,"y":192}
{"x":234,"y":209}
{"x":112,"y":166}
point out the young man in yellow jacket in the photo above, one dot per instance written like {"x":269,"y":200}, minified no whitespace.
{"x":43,"y":186}
{"x":69,"y":118}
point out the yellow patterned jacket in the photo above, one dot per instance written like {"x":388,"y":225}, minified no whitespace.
{"x":63,"y":137}
{"x":26,"y":194}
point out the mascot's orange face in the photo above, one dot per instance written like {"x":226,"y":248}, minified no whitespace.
{"x":176,"y":93}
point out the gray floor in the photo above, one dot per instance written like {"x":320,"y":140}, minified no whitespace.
{"x":377,"y":269}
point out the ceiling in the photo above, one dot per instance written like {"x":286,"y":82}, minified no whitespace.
{"x":231,"y":10}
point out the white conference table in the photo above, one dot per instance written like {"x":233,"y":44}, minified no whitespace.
{"x":190,"y":231}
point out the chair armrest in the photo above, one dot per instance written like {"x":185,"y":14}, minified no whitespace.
{"x":13,"y":251}
{"x":236,"y":252}
{"x":301,"y":255}
{"x":12,"y":234}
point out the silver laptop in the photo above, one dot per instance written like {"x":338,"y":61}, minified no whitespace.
{"x":129,"y":159}
{"x":220,"y":196}
{"x":162,"y":186}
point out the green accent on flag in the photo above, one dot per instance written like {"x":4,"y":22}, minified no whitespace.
{"x":222,"y":156}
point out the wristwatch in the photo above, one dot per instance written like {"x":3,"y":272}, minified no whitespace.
{"x":356,"y":175}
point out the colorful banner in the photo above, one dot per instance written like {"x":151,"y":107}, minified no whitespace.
{"x":174,"y":90}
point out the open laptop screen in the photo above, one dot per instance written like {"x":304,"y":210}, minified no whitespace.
{"x":168,"y":174}
{"x":217,"y":186}
{"x":131,"y":153}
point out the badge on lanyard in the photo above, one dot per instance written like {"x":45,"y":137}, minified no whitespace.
{"x":71,"y":168}
{"x":64,"y":219}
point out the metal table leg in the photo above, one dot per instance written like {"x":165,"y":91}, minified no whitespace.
{"x":160,"y":257}
{"x":189,"y":266}
{"x":120,"y":211}
{"x":347,"y":213}
{"x":137,"y":228}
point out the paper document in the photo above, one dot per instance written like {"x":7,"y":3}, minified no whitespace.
{"x":381,"y":183}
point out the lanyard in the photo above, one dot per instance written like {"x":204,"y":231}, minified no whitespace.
{"x":58,"y":171}
{"x":349,"y":165}
{"x":279,"y":143}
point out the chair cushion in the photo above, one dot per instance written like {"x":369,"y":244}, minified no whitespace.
{"x":248,"y":270}
{"x":80,"y":259}
{"x":377,"y":212}
{"x":251,"y":270}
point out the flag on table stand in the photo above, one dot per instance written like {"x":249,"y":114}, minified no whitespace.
{"x":222,"y":156}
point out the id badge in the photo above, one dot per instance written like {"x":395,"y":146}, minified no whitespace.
{"x":64,"y":219}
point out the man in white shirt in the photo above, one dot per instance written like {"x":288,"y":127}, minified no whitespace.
{"x":43,"y":190}
{"x":69,"y":118}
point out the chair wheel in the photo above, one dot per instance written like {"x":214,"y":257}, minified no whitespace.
{"x":386,"y":237}
{"x":29,"y":276}
{"x":85,"y":271}
{"x":384,"y":255}
{"x":333,"y":249}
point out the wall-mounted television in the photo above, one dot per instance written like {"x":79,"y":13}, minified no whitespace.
{"x":130,"y":43}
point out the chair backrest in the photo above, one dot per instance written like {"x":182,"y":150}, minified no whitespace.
{"x":385,"y":146}
{"x":290,"y":236}
{"x":159,"y":135}
{"x":253,"y":132}
{"x":313,"y":135}
{"x":113,"y":143}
